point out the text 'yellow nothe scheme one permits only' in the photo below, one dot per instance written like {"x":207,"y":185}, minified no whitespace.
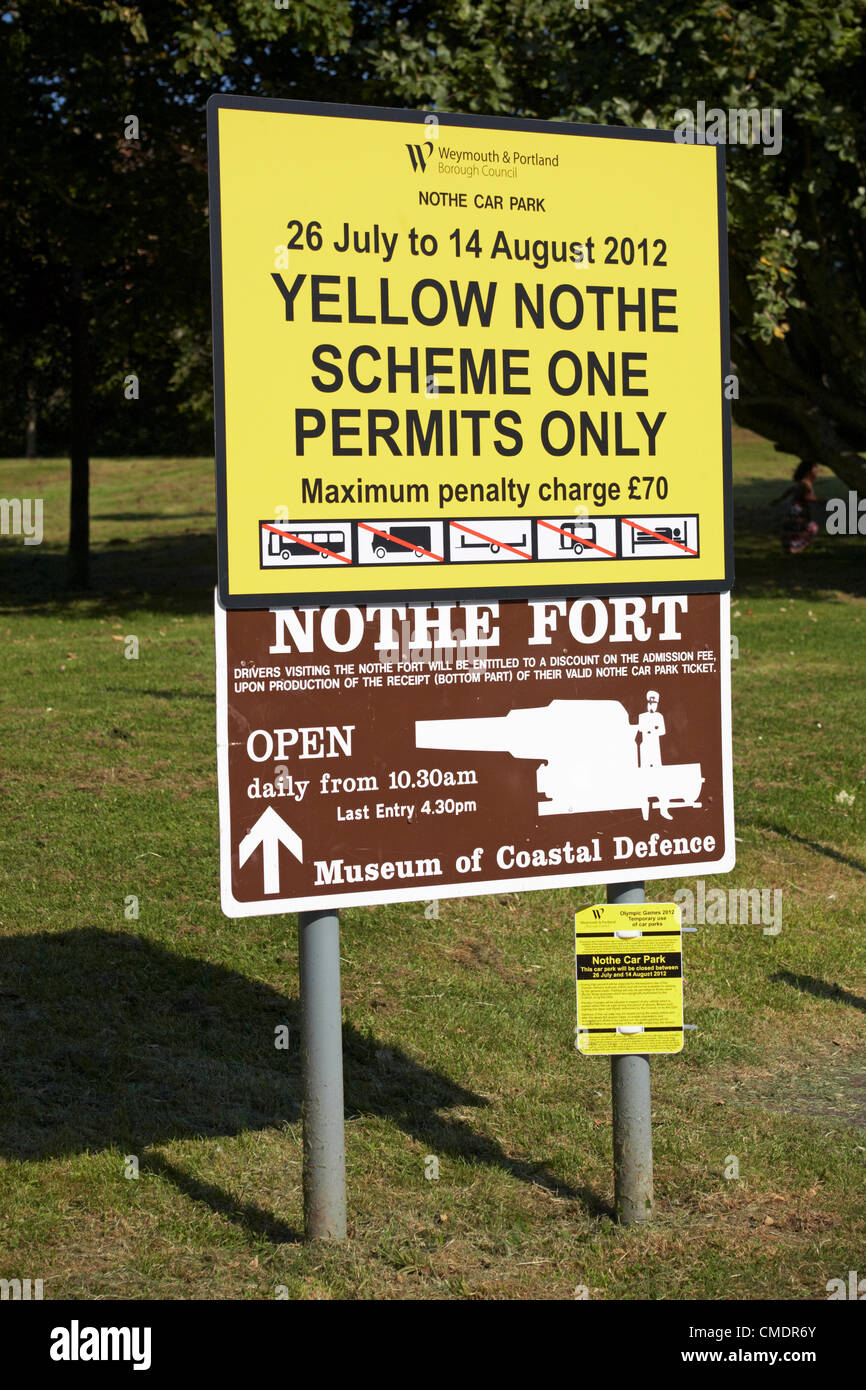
{"x":464,"y":354}
{"x":629,"y":969}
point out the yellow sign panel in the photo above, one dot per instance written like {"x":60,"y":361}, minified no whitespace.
{"x":462,"y":354}
{"x":629,"y":969}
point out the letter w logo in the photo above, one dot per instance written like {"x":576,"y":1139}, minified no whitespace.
{"x":418,"y":157}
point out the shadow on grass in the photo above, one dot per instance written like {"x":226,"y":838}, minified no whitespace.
{"x":174,"y":574}
{"x":820,"y":989}
{"x":207,"y":696}
{"x":109,"y":1040}
{"x":826,"y":850}
{"x":246,"y":1214}
{"x":832,"y":563}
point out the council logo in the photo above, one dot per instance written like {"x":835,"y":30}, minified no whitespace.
{"x":418,"y":157}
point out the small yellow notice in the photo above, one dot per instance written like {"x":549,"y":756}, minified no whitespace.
{"x":629,"y":970}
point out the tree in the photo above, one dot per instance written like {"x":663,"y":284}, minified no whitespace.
{"x":797,"y":218}
{"x":103,"y":235}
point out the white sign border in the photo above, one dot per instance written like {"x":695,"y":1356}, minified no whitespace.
{"x":338,"y":897}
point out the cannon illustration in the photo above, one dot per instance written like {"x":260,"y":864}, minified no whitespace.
{"x":588,"y":751}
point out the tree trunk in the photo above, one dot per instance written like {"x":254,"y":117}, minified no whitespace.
{"x":30,"y":432}
{"x":79,"y":442}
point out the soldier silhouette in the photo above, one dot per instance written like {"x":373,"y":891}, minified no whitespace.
{"x":651,"y":727}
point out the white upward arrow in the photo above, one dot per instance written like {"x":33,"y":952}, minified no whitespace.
{"x":270,"y":831}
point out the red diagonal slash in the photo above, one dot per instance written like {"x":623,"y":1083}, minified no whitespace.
{"x":492,"y":539}
{"x":550,"y":526}
{"x":386,"y":536}
{"x":299,"y":540}
{"x":667,"y":540}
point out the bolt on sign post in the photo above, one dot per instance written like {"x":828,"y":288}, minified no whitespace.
{"x":464,"y":355}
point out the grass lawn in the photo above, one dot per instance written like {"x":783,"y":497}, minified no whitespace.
{"x":153,"y":1037}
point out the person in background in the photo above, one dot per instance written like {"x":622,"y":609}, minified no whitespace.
{"x":798,"y":528}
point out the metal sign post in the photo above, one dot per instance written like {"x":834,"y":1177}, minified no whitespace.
{"x":322,"y":1060}
{"x":632,"y":1121}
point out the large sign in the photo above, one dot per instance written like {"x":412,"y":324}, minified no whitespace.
{"x":629,"y":977}
{"x":459,"y":354}
{"x":388,"y":753}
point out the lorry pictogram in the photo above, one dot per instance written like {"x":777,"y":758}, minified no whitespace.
{"x":400,"y":539}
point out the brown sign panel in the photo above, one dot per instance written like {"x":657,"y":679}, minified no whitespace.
{"x":393,"y":753}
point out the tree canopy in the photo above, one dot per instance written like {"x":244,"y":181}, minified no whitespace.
{"x":103,"y":236}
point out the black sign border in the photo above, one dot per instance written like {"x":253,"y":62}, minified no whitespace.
{"x":440,"y":593}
